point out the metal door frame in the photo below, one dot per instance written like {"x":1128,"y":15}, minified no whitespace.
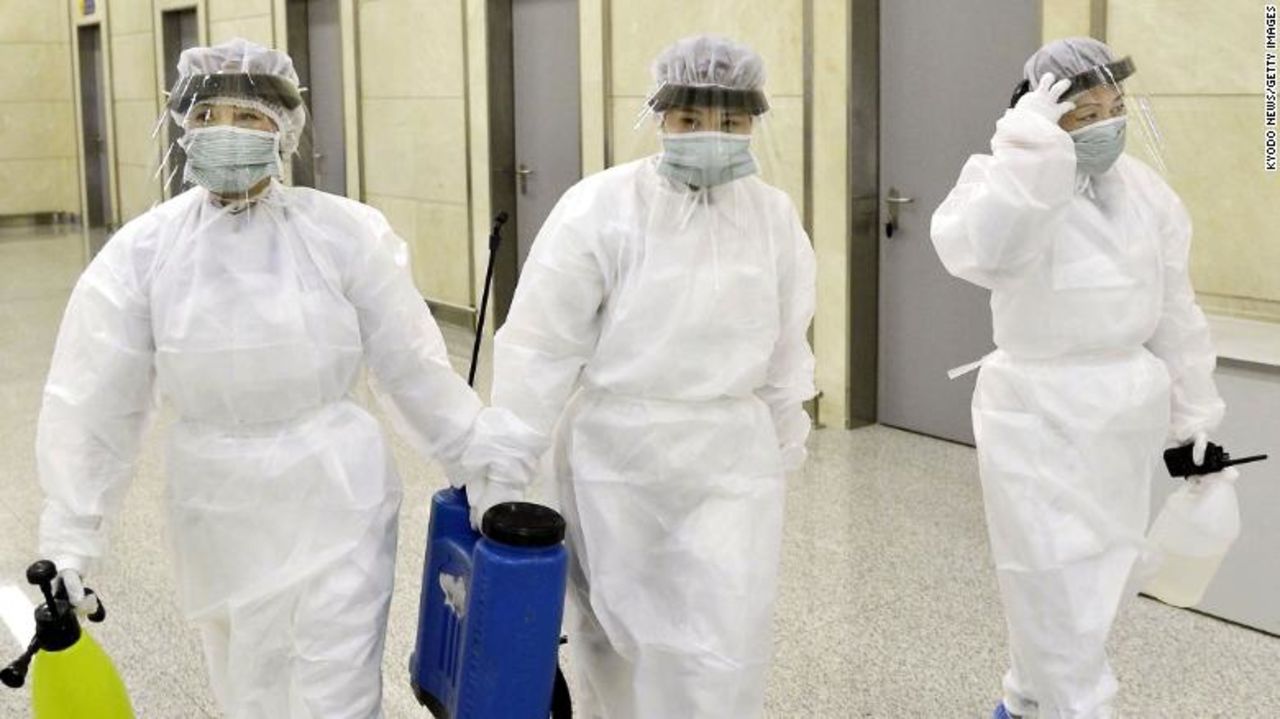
{"x":500,"y":40}
{"x":99,"y":19}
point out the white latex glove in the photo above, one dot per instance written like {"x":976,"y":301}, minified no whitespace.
{"x":484,"y":493}
{"x":1046,"y":100}
{"x":1200,"y":445}
{"x":70,"y":579}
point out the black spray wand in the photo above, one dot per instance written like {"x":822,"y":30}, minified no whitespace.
{"x":495,"y":239}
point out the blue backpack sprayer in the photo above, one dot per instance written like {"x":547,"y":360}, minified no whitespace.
{"x":492,"y":601}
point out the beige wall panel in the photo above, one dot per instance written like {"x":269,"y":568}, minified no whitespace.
{"x":139,"y":190}
{"x":33,"y":21}
{"x":1066,"y":18}
{"x":831,"y":337}
{"x":37,"y":116}
{"x":229,"y":9}
{"x":478,"y":114}
{"x":438,"y":245}
{"x":135,"y":120}
{"x":35,"y":72}
{"x":133,"y":66}
{"x":439,"y":252}
{"x":414,"y":134}
{"x":1202,"y":63}
{"x":1233,"y":203}
{"x":258,"y":29}
{"x":631,"y":141}
{"x":130,"y":16}
{"x":779,"y":145}
{"x":399,"y":213}
{"x":411,"y":49}
{"x":595,"y":105}
{"x":1190,"y":46}
{"x":416,"y":149}
{"x":33,"y":130}
{"x":774,"y":28}
{"x":39,"y":186}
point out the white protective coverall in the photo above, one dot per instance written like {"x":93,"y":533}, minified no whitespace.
{"x":660,"y":331}
{"x":1103,"y":356}
{"x":282,"y":496}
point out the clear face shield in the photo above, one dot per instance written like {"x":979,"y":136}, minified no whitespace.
{"x":1111,"y":111}
{"x":704,"y":138}
{"x":231,"y":133}
{"x":706,"y":143}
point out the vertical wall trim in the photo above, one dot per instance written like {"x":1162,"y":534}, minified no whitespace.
{"x":73,"y":43}
{"x":807,"y":44}
{"x":351,"y":99}
{"x":1098,"y":19}
{"x":108,"y":102}
{"x":606,"y":86}
{"x":280,"y":26}
{"x":469,"y":138}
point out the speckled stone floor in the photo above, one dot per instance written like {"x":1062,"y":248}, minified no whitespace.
{"x":888,"y":605}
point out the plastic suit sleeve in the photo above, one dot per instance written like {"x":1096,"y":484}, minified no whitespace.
{"x":1182,"y":338}
{"x":790,"y":380}
{"x":1000,"y":217}
{"x":430,"y":405}
{"x":550,"y":332}
{"x":96,"y":406}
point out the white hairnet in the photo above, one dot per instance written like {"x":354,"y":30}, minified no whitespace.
{"x":242,"y":73}
{"x":1067,"y":58}
{"x":709,"y":60}
{"x":708,"y":71}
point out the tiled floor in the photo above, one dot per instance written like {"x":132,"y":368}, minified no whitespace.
{"x":888,"y":604}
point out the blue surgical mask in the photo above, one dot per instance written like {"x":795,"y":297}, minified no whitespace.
{"x":228,"y":160}
{"x":706,"y":159}
{"x":1099,"y":145}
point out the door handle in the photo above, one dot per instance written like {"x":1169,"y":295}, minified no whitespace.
{"x":523,"y":173}
{"x":894,"y":200}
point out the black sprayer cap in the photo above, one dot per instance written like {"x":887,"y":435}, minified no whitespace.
{"x":523,"y":524}
{"x":56,"y":625}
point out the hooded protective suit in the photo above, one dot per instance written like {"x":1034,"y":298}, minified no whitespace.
{"x":671,"y":322}
{"x":1103,"y":356}
{"x":254,"y":322}
{"x":658,"y":341}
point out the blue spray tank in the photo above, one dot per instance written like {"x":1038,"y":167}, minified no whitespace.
{"x":489,"y":618}
{"x":492,"y":601}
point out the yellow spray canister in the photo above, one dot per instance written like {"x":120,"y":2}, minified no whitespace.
{"x":71,"y":677}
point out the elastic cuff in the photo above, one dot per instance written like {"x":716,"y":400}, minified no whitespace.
{"x":68,"y":561}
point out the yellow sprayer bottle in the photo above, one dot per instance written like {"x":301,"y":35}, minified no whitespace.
{"x":71,"y":677}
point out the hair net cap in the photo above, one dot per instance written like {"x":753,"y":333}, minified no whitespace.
{"x":709,"y":70}
{"x":237,"y":55}
{"x":709,"y":60}
{"x":240,"y":72}
{"x":1072,"y":57}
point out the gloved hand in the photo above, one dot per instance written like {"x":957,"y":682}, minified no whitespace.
{"x":69,"y":578}
{"x":1200,"y":444}
{"x":1046,"y":100}
{"x":485,"y":492}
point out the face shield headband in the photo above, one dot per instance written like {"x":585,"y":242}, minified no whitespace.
{"x":1110,"y":74}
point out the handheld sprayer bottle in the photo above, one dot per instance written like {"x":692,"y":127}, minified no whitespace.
{"x":71,"y":676}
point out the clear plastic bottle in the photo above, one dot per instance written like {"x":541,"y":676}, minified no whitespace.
{"x":1193,"y":533}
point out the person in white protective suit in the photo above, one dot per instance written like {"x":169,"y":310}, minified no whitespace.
{"x":658,"y":335}
{"x":1102,"y":357}
{"x":252,"y":307}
